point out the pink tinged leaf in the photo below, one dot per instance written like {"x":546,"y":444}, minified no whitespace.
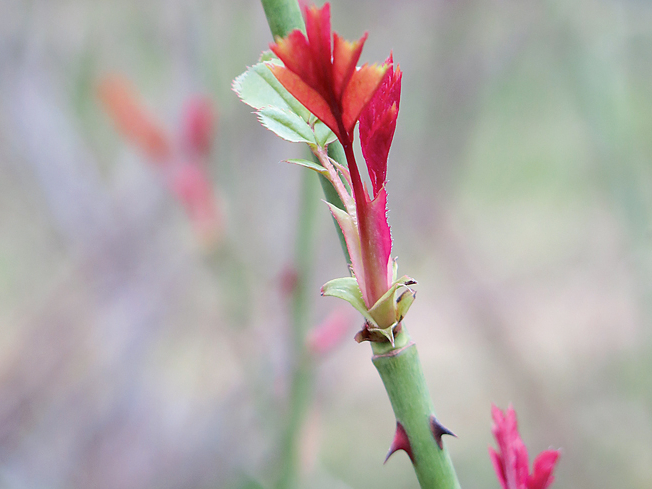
{"x":352,"y":239}
{"x":400,"y":442}
{"x":378,"y":124}
{"x":376,"y":246}
{"x":336,"y":181}
{"x":544,"y":464}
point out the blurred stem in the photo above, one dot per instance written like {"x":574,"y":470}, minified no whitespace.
{"x":283,"y":17}
{"x":300,"y":390}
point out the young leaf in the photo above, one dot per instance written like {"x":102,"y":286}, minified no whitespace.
{"x":286,"y":124}
{"x":323,"y":134}
{"x":259,"y":88}
{"x":309,"y":164}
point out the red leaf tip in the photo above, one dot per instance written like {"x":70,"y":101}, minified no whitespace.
{"x":322,"y":74}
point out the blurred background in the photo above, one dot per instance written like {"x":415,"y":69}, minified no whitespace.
{"x":136,"y":353}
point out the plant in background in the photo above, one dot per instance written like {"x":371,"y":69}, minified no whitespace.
{"x":511,"y":461}
{"x":310,"y":89}
{"x":182,"y":160}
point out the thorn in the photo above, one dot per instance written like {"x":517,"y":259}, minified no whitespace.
{"x":401,"y":442}
{"x":438,"y":431}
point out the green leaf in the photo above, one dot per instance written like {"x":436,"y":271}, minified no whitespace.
{"x":286,"y":124}
{"x":259,"y":88}
{"x":267,"y":55}
{"x":347,"y":288}
{"x":309,"y":164}
{"x":323,"y":134}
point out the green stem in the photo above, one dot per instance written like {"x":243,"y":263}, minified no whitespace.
{"x":283,"y":16}
{"x":401,"y":372}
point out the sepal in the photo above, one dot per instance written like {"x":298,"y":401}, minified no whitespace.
{"x":403,"y":303}
{"x":388,"y":303}
{"x":347,"y":288}
{"x":375,"y":334}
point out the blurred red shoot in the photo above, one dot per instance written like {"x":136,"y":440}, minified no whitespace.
{"x":183,"y":160}
{"x":511,"y":461}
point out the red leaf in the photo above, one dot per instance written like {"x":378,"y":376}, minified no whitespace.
{"x":325,"y":78}
{"x":359,"y":91}
{"x":305,"y":94}
{"x":345,"y":58}
{"x":378,"y":123}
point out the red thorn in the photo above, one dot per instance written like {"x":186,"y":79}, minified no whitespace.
{"x":438,"y":431}
{"x":401,"y":442}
